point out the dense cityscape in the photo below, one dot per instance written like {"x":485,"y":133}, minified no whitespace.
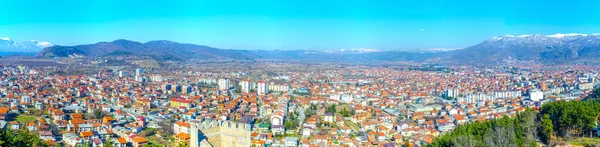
{"x":287,"y":73}
{"x":275,"y":103}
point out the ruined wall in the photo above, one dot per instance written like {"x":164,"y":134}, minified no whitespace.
{"x":221,"y":133}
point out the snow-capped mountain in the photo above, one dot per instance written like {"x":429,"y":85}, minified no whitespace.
{"x":536,"y":47}
{"x":436,"y":50}
{"x":8,"y":45}
{"x":353,"y":51}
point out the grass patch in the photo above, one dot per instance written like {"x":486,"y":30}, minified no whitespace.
{"x":157,"y":140}
{"x":352,"y":125}
{"x":341,"y":107}
{"x":25,"y":118}
{"x":584,"y":141}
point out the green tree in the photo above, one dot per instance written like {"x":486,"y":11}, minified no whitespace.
{"x":183,"y":144}
{"x":547,"y":129}
{"x":331,"y":108}
{"x":345,"y":112}
{"x":109,"y":143}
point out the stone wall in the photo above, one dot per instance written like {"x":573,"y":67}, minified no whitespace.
{"x":220,"y":133}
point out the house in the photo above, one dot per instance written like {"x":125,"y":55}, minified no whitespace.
{"x":182,"y":138}
{"x":139,"y":141}
{"x":86,"y":135}
{"x":445,"y":126}
{"x":328,"y":117}
{"x":14,"y":125}
{"x":121,"y":142}
{"x":181,"y":126}
{"x":277,"y":118}
{"x":71,"y":139}
{"x":3,"y":113}
{"x":180,"y":103}
{"x":96,"y":142}
{"x":58,"y":115}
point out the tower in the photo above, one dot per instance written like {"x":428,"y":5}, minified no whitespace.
{"x":245,"y":86}
{"x":224,"y":84}
{"x":262,"y":88}
{"x":194,"y":135}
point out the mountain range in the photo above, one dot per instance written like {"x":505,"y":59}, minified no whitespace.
{"x":168,"y":50}
{"x":557,"y":48}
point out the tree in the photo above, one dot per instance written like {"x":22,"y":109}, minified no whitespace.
{"x":166,"y":128}
{"x":547,"y":129}
{"x":109,"y":143}
{"x":183,"y":144}
{"x":308,"y":112}
{"x":345,"y":112}
{"x":153,"y":145}
{"x":98,"y":114}
{"x":465,"y":140}
{"x":561,"y":118}
{"x":331,"y":108}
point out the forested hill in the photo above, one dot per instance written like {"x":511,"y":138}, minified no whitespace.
{"x":555,"y":121}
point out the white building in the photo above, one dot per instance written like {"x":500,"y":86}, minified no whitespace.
{"x":536,"y":95}
{"x":262,"y":88}
{"x":207,"y":81}
{"x":278,"y":88}
{"x":585,"y":86}
{"x":452,"y":93}
{"x":156,"y":78}
{"x":473,"y":98}
{"x":224,"y":84}
{"x":245,"y":84}
{"x":123,"y":73}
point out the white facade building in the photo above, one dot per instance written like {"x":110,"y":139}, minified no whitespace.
{"x":536,"y":95}
{"x":224,"y":84}
{"x":262,"y":88}
{"x":245,"y":84}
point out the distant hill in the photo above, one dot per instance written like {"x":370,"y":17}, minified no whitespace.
{"x":168,"y":50}
{"x":161,"y":49}
{"x":558,"y":48}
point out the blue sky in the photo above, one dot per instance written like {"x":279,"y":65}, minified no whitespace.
{"x":295,"y":24}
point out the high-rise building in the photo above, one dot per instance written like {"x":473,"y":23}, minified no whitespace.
{"x":452,"y":93}
{"x":262,"y":88}
{"x":187,"y":89}
{"x":123,"y":73}
{"x":166,"y":87}
{"x":139,"y":71}
{"x":245,"y":84}
{"x":139,"y":78}
{"x":224,"y":84}
{"x":156,"y":78}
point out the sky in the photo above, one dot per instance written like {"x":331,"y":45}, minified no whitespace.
{"x":295,"y":24}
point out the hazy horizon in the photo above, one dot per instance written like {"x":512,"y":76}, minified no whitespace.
{"x":289,"y":25}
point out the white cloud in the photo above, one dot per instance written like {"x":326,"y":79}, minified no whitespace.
{"x":422,"y":30}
